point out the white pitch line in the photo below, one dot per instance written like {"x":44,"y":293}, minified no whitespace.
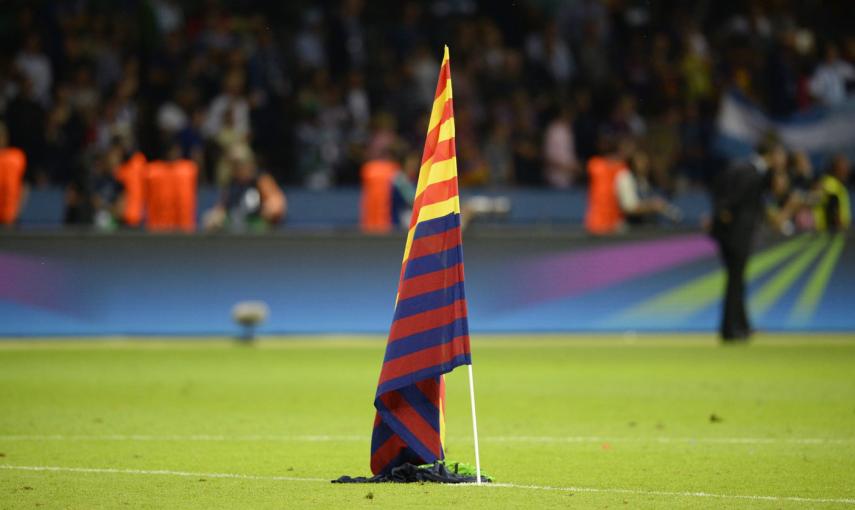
{"x":593,"y":490}
{"x":178,"y":437}
{"x":493,"y":439}
{"x":161,"y":472}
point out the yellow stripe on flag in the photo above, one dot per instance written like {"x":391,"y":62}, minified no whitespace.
{"x":439,"y":209}
{"x":446,"y":130}
{"x":442,"y":171}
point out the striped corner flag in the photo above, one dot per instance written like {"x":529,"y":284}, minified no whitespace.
{"x":429,"y":334}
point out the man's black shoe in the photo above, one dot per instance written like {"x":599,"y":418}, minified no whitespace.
{"x":736,"y":338}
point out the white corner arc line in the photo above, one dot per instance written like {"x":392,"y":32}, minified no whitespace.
{"x":594,"y":490}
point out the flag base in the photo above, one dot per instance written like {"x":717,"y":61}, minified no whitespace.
{"x":439,"y":472}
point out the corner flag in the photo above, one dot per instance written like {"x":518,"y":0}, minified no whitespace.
{"x":429,"y":334}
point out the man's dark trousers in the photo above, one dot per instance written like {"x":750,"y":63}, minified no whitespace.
{"x":738,"y":206}
{"x":735,"y":249}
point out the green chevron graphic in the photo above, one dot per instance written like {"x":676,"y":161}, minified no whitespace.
{"x":677,"y":305}
{"x":772,"y":291}
{"x":813,"y":291}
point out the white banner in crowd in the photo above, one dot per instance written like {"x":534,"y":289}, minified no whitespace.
{"x":819,"y":131}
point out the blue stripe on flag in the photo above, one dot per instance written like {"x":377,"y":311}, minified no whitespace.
{"x":437,"y":225}
{"x":405,"y":433}
{"x":419,"y":401}
{"x":429,"y":301}
{"x":407,"y":455}
{"x":426,"y":339}
{"x":420,"y":375}
{"x":434,"y":262}
{"x":380,"y":435}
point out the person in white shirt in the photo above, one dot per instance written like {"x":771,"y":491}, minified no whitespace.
{"x":231,"y":104}
{"x":634,"y":204}
{"x":828,"y":82}
{"x":33,"y":64}
{"x":559,"y":151}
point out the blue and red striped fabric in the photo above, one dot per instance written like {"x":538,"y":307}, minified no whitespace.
{"x":429,"y":334}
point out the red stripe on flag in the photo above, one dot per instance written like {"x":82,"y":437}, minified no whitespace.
{"x":432,"y":138}
{"x":412,"y":420}
{"x":426,"y":358}
{"x":430,"y":282}
{"x":436,"y":192}
{"x":444,"y":75}
{"x":386,"y":453}
{"x":436,"y":243}
{"x":427,"y":320}
{"x":430,"y":388}
{"x":445,"y":149}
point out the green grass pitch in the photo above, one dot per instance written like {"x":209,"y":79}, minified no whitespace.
{"x":579,"y":422}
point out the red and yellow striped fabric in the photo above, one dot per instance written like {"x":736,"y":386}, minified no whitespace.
{"x":430,"y":333}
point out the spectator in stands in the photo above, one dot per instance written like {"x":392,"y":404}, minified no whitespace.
{"x":549,"y":50}
{"x":404,"y":191}
{"x":802,"y":171}
{"x":13,"y":190}
{"x":833,"y":212}
{"x":585,"y":126}
{"x":561,"y":166}
{"x":499,"y":156}
{"x":309,"y":44}
{"x":252,"y":200}
{"x":831,"y":77}
{"x":25,"y":121}
{"x":35,"y":66}
{"x":383,"y":192}
{"x":229,"y":110}
{"x":645,"y":192}
{"x":804,"y":187}
{"x":106,"y":190}
{"x":65,"y":132}
{"x":229,"y":139}
{"x":190,"y":138}
{"x":784,"y":202}
{"x":174,"y":114}
{"x":625,"y":117}
{"x":613,"y":193}
{"x":302,"y":95}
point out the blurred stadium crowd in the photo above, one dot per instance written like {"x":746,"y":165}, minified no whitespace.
{"x":305,"y":93}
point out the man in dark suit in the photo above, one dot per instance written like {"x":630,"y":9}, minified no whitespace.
{"x":738,"y":206}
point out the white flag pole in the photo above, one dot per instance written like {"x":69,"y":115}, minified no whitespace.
{"x":474,"y":426}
